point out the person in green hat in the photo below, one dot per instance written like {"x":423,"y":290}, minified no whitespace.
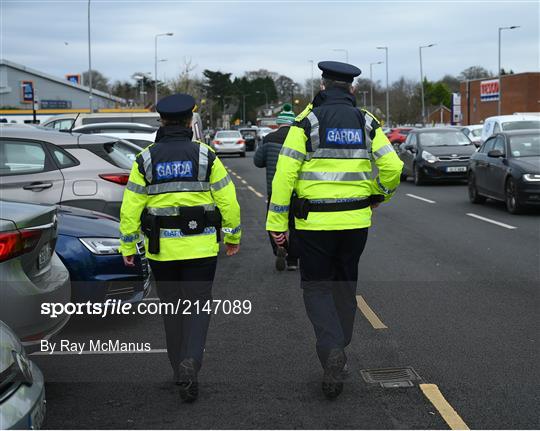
{"x":266,"y":156}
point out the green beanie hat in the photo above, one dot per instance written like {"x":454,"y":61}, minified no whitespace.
{"x":286,"y":116}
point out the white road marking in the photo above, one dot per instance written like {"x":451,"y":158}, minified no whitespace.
{"x":420,"y":198}
{"x":98,"y":352}
{"x":244,"y":181}
{"x":256,"y":192}
{"x":498,"y":223}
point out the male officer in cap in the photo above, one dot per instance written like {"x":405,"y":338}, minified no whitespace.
{"x":186,"y":198}
{"x":326,"y":161}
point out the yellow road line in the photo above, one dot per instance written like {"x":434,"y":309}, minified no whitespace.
{"x":369,"y":314}
{"x":450,"y":416}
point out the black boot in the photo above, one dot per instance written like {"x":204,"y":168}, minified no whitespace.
{"x":187,"y":380}
{"x":332,"y":383}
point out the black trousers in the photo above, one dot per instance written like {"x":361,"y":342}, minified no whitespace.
{"x":329,"y":273}
{"x":185,"y":280}
{"x":292,"y":250}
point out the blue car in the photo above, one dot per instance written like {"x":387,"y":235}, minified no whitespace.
{"x":88,"y":246}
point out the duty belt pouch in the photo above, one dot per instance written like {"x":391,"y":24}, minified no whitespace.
{"x":213,"y":218}
{"x":192,"y":220}
{"x":300,"y":207}
{"x":150,"y":227}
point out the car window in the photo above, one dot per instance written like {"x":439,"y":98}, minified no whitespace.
{"x":476,"y":132}
{"x":118,"y":153}
{"x":228,"y":134}
{"x":499,"y":144}
{"x":525,"y":145}
{"x":140,"y":142}
{"x":412,"y":139}
{"x":63,"y":159}
{"x":21,"y":158}
{"x":521,"y":125}
{"x":488,"y":146}
{"x":496,"y":128}
{"x":441,"y":139}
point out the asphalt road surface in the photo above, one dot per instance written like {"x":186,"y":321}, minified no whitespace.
{"x":446,"y":287}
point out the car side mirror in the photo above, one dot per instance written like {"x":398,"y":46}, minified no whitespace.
{"x":495,"y":154}
{"x":410,"y":147}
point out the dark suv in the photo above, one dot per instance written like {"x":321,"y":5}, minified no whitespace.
{"x":436,"y":153}
{"x":250,"y":136}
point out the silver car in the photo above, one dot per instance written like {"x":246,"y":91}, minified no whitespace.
{"x":229,"y":142}
{"x":30,"y":271}
{"x":45,"y":166}
{"x":22,"y":390}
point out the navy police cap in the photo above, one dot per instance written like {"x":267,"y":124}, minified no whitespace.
{"x":338,"y":71}
{"x":175,"y":105}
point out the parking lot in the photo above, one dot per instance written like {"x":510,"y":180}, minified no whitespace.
{"x":446,"y":287}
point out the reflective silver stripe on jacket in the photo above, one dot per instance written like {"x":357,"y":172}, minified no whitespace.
{"x":293,"y":154}
{"x":221,"y":183}
{"x":334,"y":176}
{"x":147,"y":165}
{"x":388,"y":148}
{"x":178,"y":186}
{"x":314,"y":134}
{"x":203,"y":162}
{"x":383,"y":188}
{"x":368,"y":120}
{"x":177,"y":233}
{"x":336,"y":200}
{"x":136,"y":188}
{"x":339,"y":153}
{"x":174,"y":211}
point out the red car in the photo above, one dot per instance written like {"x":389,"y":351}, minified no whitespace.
{"x":398,"y":135}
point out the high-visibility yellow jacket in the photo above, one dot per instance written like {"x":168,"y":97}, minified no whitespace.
{"x":174,"y":173}
{"x":327,"y":157}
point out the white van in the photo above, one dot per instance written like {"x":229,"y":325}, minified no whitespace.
{"x":504,"y":123}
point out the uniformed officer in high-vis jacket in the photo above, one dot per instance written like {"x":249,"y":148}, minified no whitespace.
{"x":326,"y":161}
{"x":181,"y":197}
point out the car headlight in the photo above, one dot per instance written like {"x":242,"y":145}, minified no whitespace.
{"x":23,"y":365}
{"x":531,"y":177}
{"x":102,"y":245}
{"x":428,"y":157}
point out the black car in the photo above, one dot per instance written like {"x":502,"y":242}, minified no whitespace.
{"x":507,"y":168}
{"x":250,"y":136}
{"x":436,"y":153}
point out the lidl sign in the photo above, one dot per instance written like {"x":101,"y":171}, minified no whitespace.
{"x":489,"y":90}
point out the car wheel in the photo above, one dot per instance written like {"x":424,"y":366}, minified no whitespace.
{"x":418,"y":177}
{"x":243,"y":154}
{"x":512,"y":203}
{"x":474,"y":197}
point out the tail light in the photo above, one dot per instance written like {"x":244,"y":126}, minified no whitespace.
{"x":121,"y":179}
{"x":241,"y":141}
{"x":15,"y":243}
{"x":217,"y":143}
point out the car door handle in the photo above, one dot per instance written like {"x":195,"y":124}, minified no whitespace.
{"x":37,"y":186}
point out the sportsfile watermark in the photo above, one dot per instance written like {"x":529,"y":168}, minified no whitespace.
{"x":116,"y":307}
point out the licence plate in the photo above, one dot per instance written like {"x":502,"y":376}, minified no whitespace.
{"x":44,"y":255}
{"x":456,"y":169}
{"x":38,"y":414}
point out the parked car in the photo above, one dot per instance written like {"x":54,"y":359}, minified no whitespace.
{"x":507,"y":168}
{"x":22,"y":389}
{"x":262,"y":132}
{"x":65,"y":122}
{"x":474,"y":133}
{"x":108,"y":128}
{"x":398,"y":135}
{"x":440,"y":153}
{"x":43,"y":166}
{"x":250,"y":137}
{"x":31,"y":271}
{"x":229,"y":142}
{"x":88,"y":245}
{"x":506,"y":123}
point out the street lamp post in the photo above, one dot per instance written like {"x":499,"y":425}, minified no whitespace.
{"x":344,"y":51}
{"x":364,"y":92}
{"x":499,"y":66}
{"x":89,"y":64}
{"x":371,"y":84}
{"x":244,"y":108}
{"x":422,"y":82}
{"x":155,"y":66}
{"x":388,"y":122}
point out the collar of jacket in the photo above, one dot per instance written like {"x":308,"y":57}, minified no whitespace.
{"x":174,"y":132}
{"x":333,"y":96}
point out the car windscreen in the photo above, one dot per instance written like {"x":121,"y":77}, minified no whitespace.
{"x":442,"y":139}
{"x":248,"y":133}
{"x":521,"y":125}
{"x":525,"y":145}
{"x":231,"y":134}
{"x":118,"y":153}
{"x":476,"y":133}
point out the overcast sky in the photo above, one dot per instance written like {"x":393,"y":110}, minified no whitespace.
{"x":281,"y":36}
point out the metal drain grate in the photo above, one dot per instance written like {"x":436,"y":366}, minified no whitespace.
{"x":391,"y":377}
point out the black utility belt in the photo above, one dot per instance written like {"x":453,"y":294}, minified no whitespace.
{"x":301,"y":207}
{"x":191,"y":221}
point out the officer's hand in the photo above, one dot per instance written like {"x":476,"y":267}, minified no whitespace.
{"x":280,"y":238}
{"x":232,"y":249}
{"x":129,"y":260}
